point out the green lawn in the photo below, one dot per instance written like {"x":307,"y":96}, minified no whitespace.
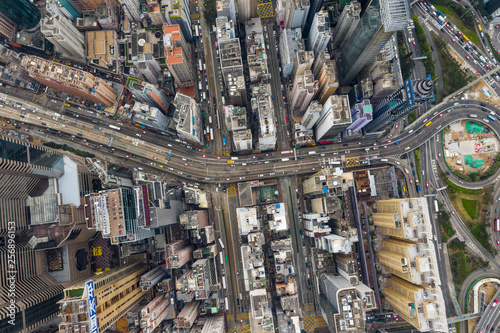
{"x":470,"y":207}
{"x":462,"y":190}
{"x":417,"y":162}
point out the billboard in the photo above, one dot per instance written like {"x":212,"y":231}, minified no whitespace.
{"x":89,"y":287}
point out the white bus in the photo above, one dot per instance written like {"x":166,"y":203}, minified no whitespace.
{"x":114,"y":127}
{"x":223,"y":101}
{"x":199,"y":86}
{"x":196,"y":33}
{"x":210,"y":119}
{"x":436,"y":207}
{"x":224,"y":282}
{"x":227,"y":304}
{"x":211,"y":134}
{"x":204,"y":96}
{"x":220,"y":240}
{"x":200,"y":65}
{"x":221,"y":258}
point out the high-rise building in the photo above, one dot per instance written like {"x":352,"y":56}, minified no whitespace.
{"x":70,"y":80}
{"x":147,"y":65}
{"x":148,"y":93}
{"x":107,"y":15}
{"x":242,"y":140}
{"x":61,"y":32}
{"x":188,"y":118}
{"x":316,"y":224}
{"x":225,"y":28}
{"x":312,"y":115}
{"x":101,"y":46}
{"x":386,"y":85}
{"x":87,"y":23}
{"x":62,"y":7}
{"x":86,"y":6}
{"x":155,"y":312}
{"x":376,"y":27}
{"x":6,"y":27}
{"x":38,"y":183}
{"x":280,"y":12}
{"x":256,"y":51}
{"x":304,"y":89}
{"x":413,"y":303}
{"x":400,"y":103}
{"x":227,"y":8}
{"x":343,"y":305}
{"x":177,"y":53}
{"x":291,"y":42}
{"x":231,"y":65}
{"x":149,"y":116}
{"x":347,"y":23}
{"x":261,"y":315}
{"x":361,"y":114}
{"x":328,"y":80}
{"x":178,"y":254}
{"x":188,"y":315}
{"x":334,"y":118}
{"x":320,"y":34}
{"x":131,"y":9}
{"x":23,"y":13}
{"x":262,"y":104}
{"x":408,"y":260}
{"x":114,"y":292}
{"x":154,"y":13}
{"x":402,"y":218}
{"x":177,"y":12}
{"x":296,"y":13}
{"x":303,"y":61}
{"x":320,"y":59}
{"x":246,"y":10}
{"x":236,"y":117}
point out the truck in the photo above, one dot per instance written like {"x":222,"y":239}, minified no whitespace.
{"x":440,"y":22}
{"x":436,"y":207}
{"x":418,"y":188}
{"x":440,"y":17}
{"x":472,"y":115}
{"x":440,"y":13}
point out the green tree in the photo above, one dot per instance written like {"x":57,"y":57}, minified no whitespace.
{"x":210,"y":11}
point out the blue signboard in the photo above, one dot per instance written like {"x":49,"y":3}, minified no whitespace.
{"x":89,"y":286}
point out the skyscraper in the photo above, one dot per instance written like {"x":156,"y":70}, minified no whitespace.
{"x":296,"y":13}
{"x":320,"y":34}
{"x":23,"y":13}
{"x":131,"y":9}
{"x":177,"y":55}
{"x":177,"y":12}
{"x":334,"y":118}
{"x":148,"y":93}
{"x":304,"y":89}
{"x":362,"y":114}
{"x":29,"y":176}
{"x":246,"y":10}
{"x":346,"y":24}
{"x":70,"y":80}
{"x":380,"y":19}
{"x":402,"y":102}
{"x":86,"y":6}
{"x":328,"y":81}
{"x":61,"y":32}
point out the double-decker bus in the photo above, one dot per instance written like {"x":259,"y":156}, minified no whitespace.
{"x":496,"y":224}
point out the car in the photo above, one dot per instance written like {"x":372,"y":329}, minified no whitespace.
{"x":426,"y":184}
{"x":385,"y":146}
{"x":127,"y":156}
{"x":228,"y":179}
{"x":27,"y":130}
{"x":413,"y":42}
{"x":204,"y":156}
{"x":389,"y":141}
{"x":218,"y":157}
{"x":267,"y":154}
{"x":397,"y":125}
{"x":312,"y":169}
{"x":498,"y":242}
{"x":241,"y":321}
{"x":360,"y":143}
{"x":453,"y":40}
{"x":440,"y":114}
{"x":411,"y":181}
{"x":375,"y":144}
{"x":254,"y":156}
{"x":237,"y":273}
{"x":185,"y":164}
{"x":155,"y":158}
{"x":467,"y":57}
{"x":439,"y":155}
{"x":495,"y":302}
{"x":452,"y":212}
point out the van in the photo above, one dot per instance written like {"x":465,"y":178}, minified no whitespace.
{"x":234,"y":158}
{"x":285,"y":159}
{"x":138,"y":134}
{"x":407,"y":148}
{"x":312,"y":153}
{"x":411,"y":131}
